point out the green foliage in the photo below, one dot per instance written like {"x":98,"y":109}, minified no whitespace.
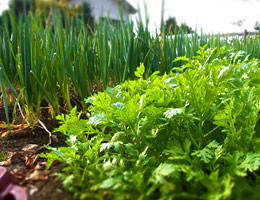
{"x":51,"y":55}
{"x":208,"y":153}
{"x":3,"y":156}
{"x":4,"y":96}
{"x":21,"y":6}
{"x":186,"y":135}
{"x":172,"y":26}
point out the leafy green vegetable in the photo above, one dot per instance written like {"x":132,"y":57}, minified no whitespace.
{"x":207,"y":153}
{"x":187,"y":135}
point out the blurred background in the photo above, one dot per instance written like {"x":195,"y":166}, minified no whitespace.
{"x":211,"y":16}
{"x":218,"y":16}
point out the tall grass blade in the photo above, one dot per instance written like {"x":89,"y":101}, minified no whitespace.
{"x":4,"y":98}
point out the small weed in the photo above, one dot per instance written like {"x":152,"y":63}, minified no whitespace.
{"x":3,"y":156}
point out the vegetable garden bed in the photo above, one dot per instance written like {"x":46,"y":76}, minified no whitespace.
{"x":183,"y":124}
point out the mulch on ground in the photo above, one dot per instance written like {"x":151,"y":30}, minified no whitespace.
{"x":22,"y":148}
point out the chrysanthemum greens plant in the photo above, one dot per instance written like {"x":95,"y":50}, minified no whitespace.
{"x":191,"y":134}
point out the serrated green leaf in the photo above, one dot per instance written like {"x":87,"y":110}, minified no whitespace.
{"x":117,"y":105}
{"x":171,"y":112}
{"x":163,"y":171}
{"x":90,"y":100}
{"x":105,"y":146}
{"x":251,"y":162}
{"x":97,"y":119}
{"x":183,"y":58}
{"x":109,"y":183}
{"x":207,"y":153}
{"x":119,"y":136}
{"x":140,"y":71}
{"x":225,"y":73}
{"x":68,"y":181}
{"x":131,"y":149}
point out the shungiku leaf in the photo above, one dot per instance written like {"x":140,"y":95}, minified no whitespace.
{"x":117,"y":105}
{"x":206,"y":154}
{"x":105,"y":146}
{"x":162,"y":171}
{"x":68,"y":181}
{"x":140,"y":71}
{"x":97,"y":119}
{"x":107,"y":183}
{"x":119,"y":136}
{"x":171,"y":112}
{"x":183,"y":58}
{"x":90,"y":99}
{"x":110,"y":183}
{"x":252,"y":162}
{"x":225,"y":74}
{"x":114,"y":145}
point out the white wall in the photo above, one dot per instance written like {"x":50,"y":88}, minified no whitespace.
{"x":3,"y":5}
{"x":102,"y":8}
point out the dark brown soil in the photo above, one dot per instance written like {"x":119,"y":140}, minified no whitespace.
{"x":44,"y":185}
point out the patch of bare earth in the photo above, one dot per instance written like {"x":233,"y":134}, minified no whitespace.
{"x":23,"y":147}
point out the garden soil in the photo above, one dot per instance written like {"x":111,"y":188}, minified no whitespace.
{"x":22,"y":148}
